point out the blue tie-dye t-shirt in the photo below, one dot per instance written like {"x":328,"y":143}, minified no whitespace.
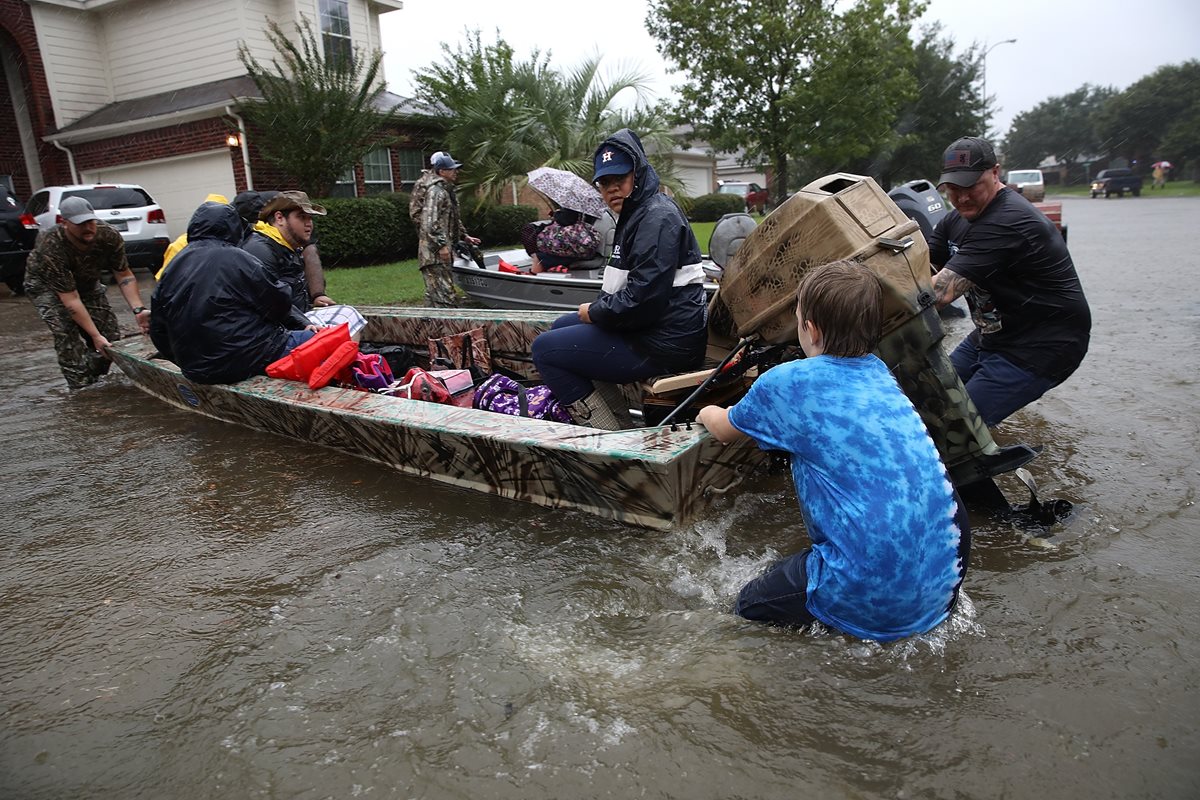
{"x":875,"y":496}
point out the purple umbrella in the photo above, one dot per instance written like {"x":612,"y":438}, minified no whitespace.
{"x":568,"y":190}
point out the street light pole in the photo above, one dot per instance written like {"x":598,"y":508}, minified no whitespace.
{"x":984,"y":68}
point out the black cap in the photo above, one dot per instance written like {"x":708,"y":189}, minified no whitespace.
{"x":965,"y":160}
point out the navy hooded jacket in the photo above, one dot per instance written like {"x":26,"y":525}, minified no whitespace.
{"x":653,"y":240}
{"x":217,"y":313}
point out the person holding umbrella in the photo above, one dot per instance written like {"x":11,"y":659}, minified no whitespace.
{"x":1160,"y":174}
{"x":570,"y":236}
{"x":651,"y":315}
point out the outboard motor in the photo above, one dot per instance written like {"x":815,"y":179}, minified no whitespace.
{"x":921,"y":201}
{"x":849,"y":216}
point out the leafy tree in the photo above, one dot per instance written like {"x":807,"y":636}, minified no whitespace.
{"x":859,"y":88}
{"x":319,"y":116}
{"x":947,"y":106}
{"x":505,"y":117}
{"x":1063,"y":126}
{"x":1158,"y":112}
{"x":797,"y":78}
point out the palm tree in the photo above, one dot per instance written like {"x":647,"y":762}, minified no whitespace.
{"x":507,"y":118}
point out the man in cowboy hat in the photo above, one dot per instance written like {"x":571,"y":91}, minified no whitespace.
{"x":1032,"y":321}
{"x":281,"y":240}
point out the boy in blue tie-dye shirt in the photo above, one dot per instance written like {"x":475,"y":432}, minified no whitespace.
{"x":890,"y":539}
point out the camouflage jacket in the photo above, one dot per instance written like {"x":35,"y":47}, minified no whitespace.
{"x":440,"y":221}
{"x":56,"y":266}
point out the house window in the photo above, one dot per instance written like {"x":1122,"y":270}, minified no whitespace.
{"x":335,"y":31}
{"x":411,"y":164}
{"x":377,"y":171}
{"x":344,"y":187}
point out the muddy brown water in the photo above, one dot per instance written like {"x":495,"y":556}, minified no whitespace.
{"x":192,"y":610}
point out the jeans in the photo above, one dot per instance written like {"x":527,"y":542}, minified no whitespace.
{"x":996,"y":386}
{"x":573,"y":353}
{"x":295,"y":339}
{"x":780,"y":595}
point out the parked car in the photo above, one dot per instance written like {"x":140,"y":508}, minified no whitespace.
{"x":755,"y":196}
{"x":1117,"y":181}
{"x":18,"y":232}
{"x":1028,"y":182}
{"x":125,"y":206}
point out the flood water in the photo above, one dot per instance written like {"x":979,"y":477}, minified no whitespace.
{"x":192,"y":610}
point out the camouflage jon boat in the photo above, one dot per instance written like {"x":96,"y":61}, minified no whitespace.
{"x":653,"y":477}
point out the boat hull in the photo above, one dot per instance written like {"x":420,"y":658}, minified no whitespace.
{"x":655,"y":477}
{"x":549,"y":291}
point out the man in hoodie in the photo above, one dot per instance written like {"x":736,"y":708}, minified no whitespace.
{"x":651,"y":315}
{"x":282,"y":240}
{"x":439,"y":229}
{"x":219,"y":314}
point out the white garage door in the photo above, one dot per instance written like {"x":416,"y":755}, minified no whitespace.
{"x":696,"y":180}
{"x":176,"y":184}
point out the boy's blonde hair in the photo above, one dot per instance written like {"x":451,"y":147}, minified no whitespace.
{"x":844,"y":300}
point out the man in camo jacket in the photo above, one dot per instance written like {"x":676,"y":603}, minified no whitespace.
{"x":63,"y":279}
{"x":440,"y":228}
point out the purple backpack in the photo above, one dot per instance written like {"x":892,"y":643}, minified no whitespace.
{"x":503,"y":395}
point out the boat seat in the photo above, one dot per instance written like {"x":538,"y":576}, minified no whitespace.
{"x":661,"y":394}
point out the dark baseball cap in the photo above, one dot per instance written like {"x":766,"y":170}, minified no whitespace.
{"x":965,"y":160}
{"x":611,"y":161}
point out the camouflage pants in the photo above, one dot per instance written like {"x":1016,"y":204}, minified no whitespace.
{"x":439,"y":286}
{"x":80,"y":364}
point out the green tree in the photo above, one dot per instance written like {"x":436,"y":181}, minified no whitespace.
{"x":1063,"y":126}
{"x":948,"y":105}
{"x":318,"y":116}
{"x":504,"y":116}
{"x":797,"y":77}
{"x":1158,"y":112}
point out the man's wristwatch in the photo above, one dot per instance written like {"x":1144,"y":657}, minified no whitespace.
{"x":138,"y":310}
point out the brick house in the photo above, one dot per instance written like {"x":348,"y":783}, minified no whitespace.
{"x":148,"y":92}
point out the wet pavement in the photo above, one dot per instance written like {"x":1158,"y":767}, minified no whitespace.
{"x":193,"y":610}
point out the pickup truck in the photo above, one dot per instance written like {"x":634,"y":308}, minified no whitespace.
{"x":1116,"y":181}
{"x":754,"y":195}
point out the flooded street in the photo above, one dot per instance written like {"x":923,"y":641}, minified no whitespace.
{"x":192,"y":610}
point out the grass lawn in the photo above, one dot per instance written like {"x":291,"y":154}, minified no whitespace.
{"x":400,"y":283}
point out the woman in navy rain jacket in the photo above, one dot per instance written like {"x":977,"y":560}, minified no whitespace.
{"x":651,"y":316}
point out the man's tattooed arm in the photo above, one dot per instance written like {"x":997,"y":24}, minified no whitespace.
{"x":948,"y":286}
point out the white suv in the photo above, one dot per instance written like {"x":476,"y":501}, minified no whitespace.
{"x":125,"y":206}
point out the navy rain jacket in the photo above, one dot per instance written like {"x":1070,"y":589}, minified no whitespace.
{"x":653,"y":239}
{"x":217,"y":313}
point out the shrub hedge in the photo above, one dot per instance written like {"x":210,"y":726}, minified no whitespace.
{"x":711,"y":207}
{"x":360,"y":231}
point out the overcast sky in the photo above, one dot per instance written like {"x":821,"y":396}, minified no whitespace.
{"x":1061,"y":44}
